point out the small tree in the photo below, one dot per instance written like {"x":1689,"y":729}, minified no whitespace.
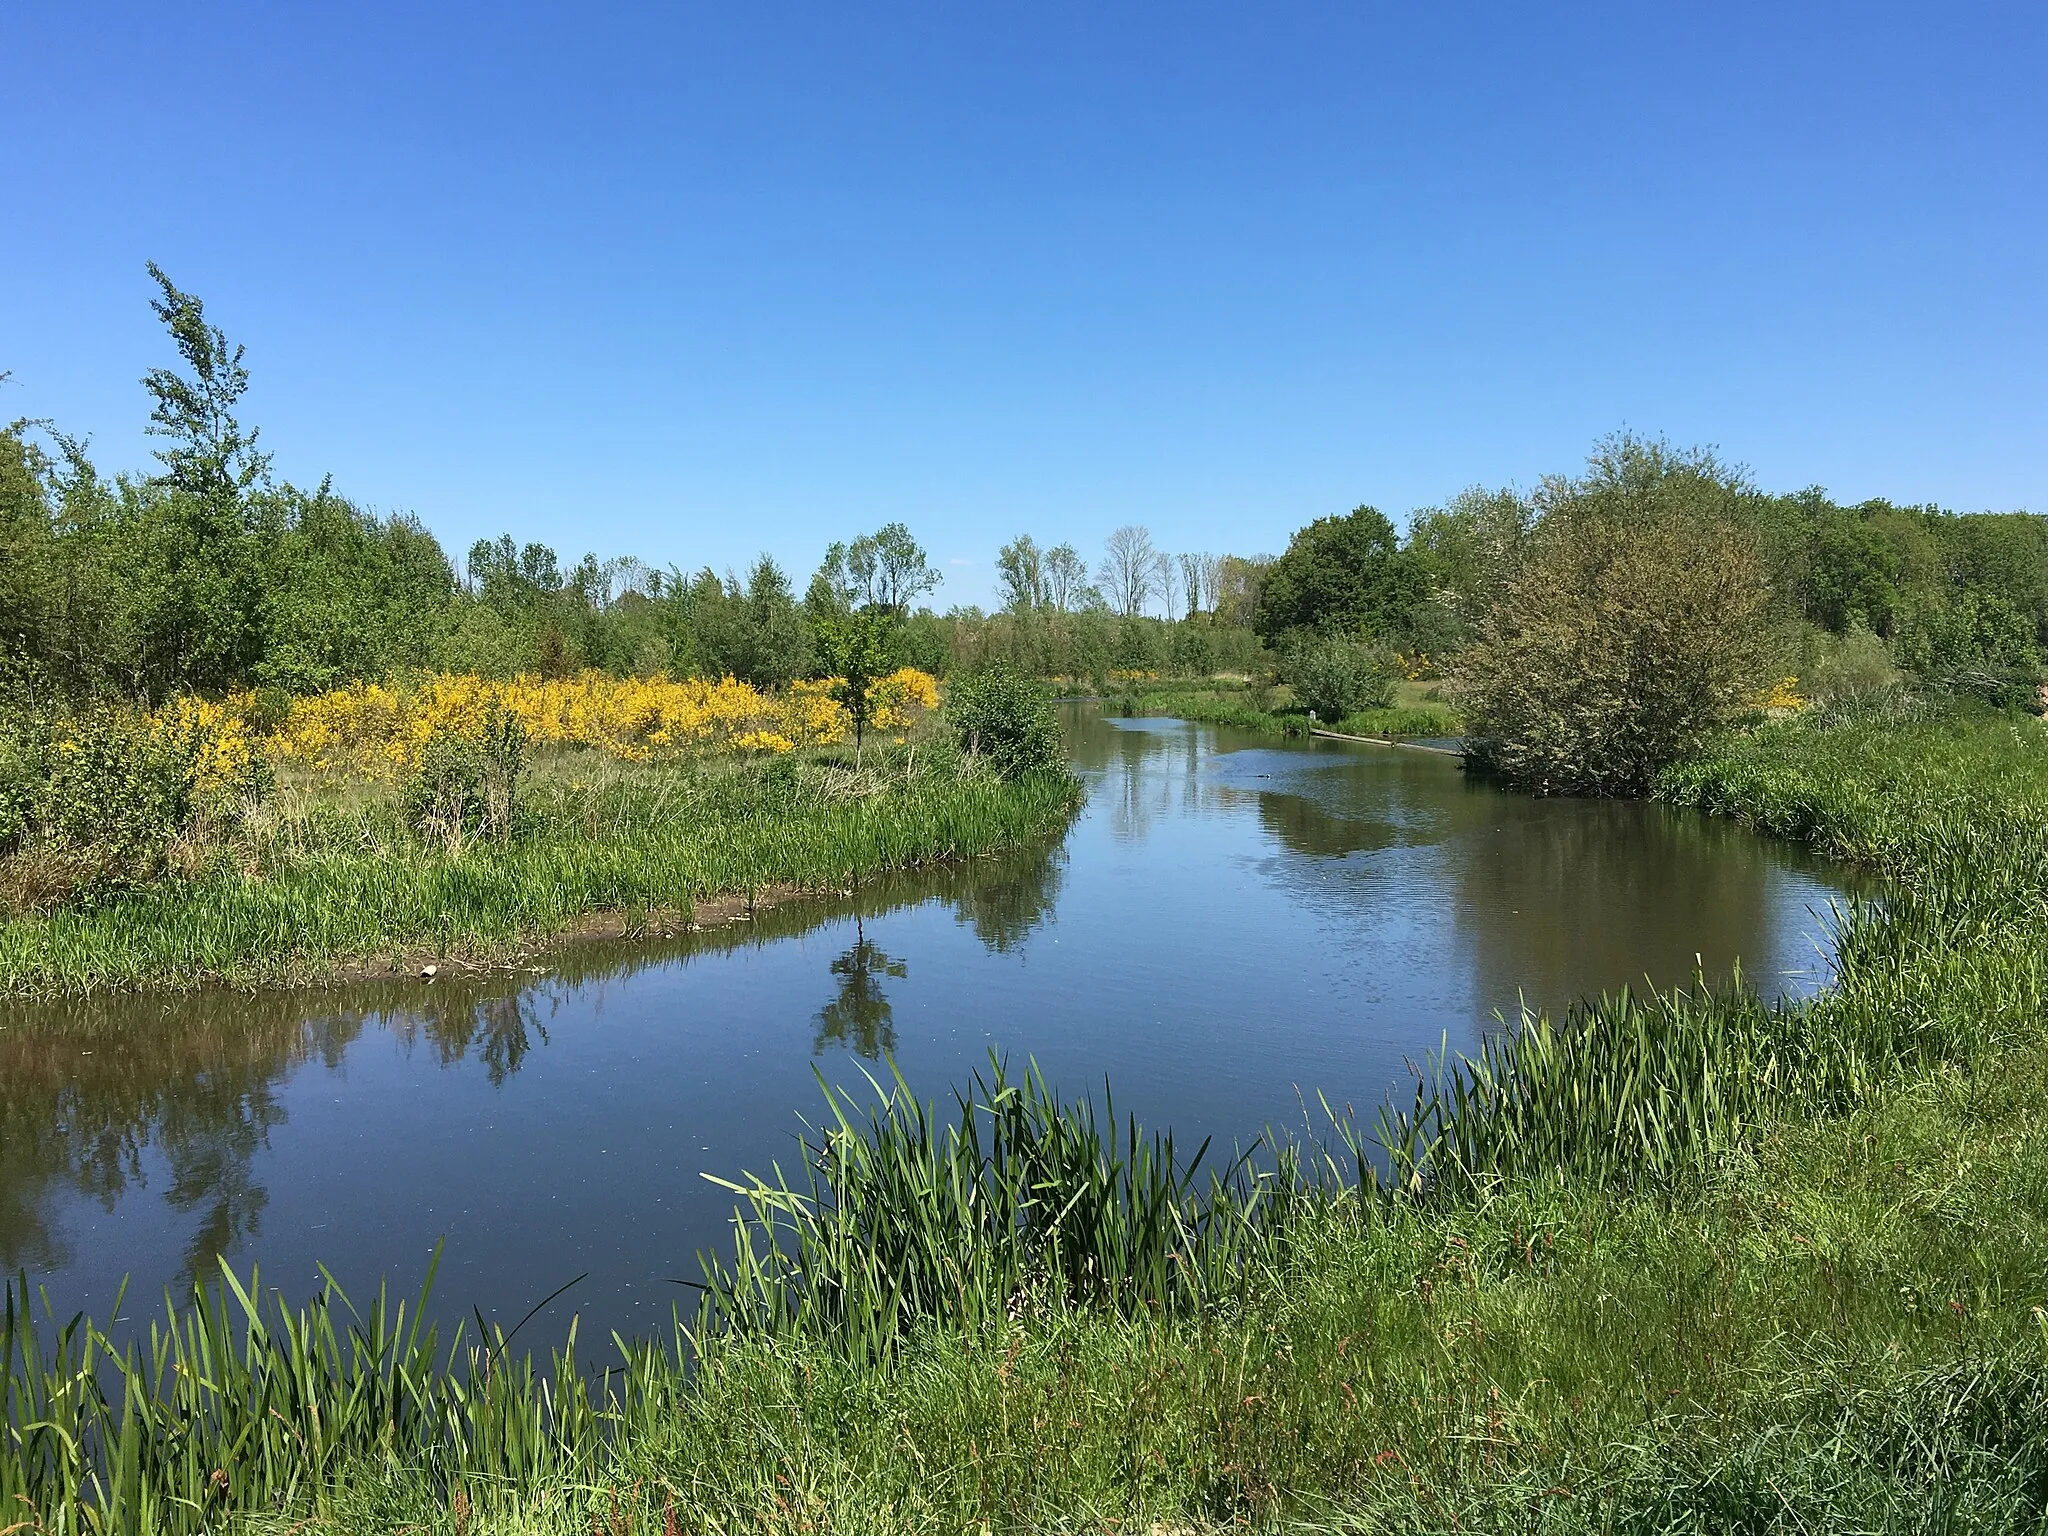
{"x":856,"y":648}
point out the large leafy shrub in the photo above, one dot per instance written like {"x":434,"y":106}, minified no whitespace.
{"x":1336,"y":676}
{"x":1001,"y":718}
{"x":1639,"y":620}
{"x":91,"y":803}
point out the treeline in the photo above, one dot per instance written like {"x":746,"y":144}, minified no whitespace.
{"x":1950,"y":593}
{"x":205,"y":575}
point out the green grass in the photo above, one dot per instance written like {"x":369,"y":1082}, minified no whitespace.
{"x":1683,"y":1263}
{"x":323,"y":881}
{"x":1415,"y":712}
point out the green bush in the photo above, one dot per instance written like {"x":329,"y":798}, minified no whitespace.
{"x":1976,"y":644}
{"x":1637,"y":622}
{"x":468,"y":786}
{"x":1336,"y":677}
{"x":91,"y":804}
{"x":999,"y":717}
{"x":1848,"y":672}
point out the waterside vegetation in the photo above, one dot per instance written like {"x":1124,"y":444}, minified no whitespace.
{"x":1680,"y":1262}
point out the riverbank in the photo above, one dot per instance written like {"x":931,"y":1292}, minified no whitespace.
{"x":1417,"y":711}
{"x":1692,"y":1264}
{"x":327,"y":885}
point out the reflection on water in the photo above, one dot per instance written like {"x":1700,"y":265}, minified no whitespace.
{"x":860,"y":1015}
{"x":1232,"y":925}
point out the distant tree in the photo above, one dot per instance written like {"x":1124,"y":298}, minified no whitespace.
{"x":1342,"y":573}
{"x":1464,"y":552}
{"x":27,"y":547}
{"x":1198,"y":574}
{"x":1066,"y":579}
{"x":776,"y":642}
{"x":832,"y":589}
{"x":1240,"y":582}
{"x":1168,"y":581}
{"x":1022,"y":567}
{"x":1851,"y":575}
{"x":1129,"y":570}
{"x":887,"y":569}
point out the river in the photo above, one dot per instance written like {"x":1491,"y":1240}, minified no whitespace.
{"x":1232,"y":927}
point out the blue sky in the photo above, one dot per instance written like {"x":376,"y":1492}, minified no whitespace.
{"x":693,"y":281}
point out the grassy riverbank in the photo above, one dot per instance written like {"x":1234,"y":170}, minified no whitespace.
{"x":330,"y":879}
{"x":1691,"y":1264}
{"x":1417,"y":710}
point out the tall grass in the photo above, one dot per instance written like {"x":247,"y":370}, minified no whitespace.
{"x":237,"y":1404}
{"x":1019,"y":1203}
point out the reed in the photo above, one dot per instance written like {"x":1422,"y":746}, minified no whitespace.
{"x":1018,"y":1203}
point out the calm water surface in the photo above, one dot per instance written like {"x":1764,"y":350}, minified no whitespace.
{"x":1232,"y":926}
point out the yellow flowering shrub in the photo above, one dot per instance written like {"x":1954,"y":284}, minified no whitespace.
{"x":213,"y":733}
{"x":1783,"y":695}
{"x":901,"y":697}
{"x":377,"y":730}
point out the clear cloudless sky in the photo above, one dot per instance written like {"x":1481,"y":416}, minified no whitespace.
{"x":693,"y":281}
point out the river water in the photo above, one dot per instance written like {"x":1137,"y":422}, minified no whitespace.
{"x":1232,"y":927}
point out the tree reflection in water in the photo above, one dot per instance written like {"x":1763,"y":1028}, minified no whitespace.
{"x":105,"y":1098}
{"x":860,"y":1016}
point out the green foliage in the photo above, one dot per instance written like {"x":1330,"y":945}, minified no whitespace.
{"x":1465,"y":551}
{"x":91,"y":803}
{"x":1347,"y":573}
{"x":1978,"y":643}
{"x":753,"y":630}
{"x":1007,"y":721}
{"x":210,"y":457}
{"x":906,"y":1221}
{"x":856,"y":649}
{"x":1335,"y":676}
{"x":1852,"y":574}
{"x":886,"y":569}
{"x":1637,"y":622}
{"x":467,"y":787}
{"x":1847,"y":672}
